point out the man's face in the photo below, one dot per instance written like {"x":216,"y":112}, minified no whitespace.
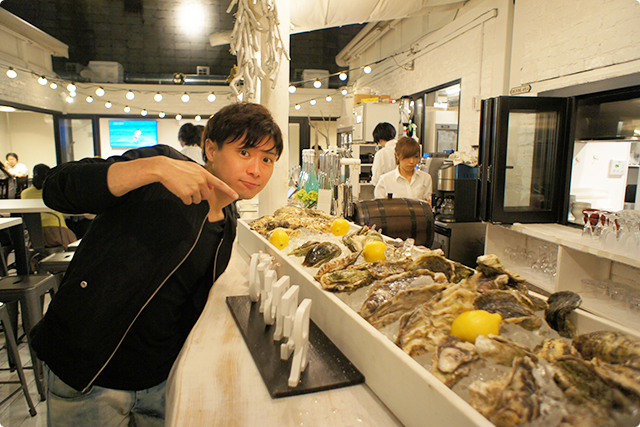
{"x":12,"y":161}
{"x":246,"y":170}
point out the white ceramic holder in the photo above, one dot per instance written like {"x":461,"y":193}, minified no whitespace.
{"x":254,"y":274}
{"x":300,"y":338}
{"x":277,"y":313}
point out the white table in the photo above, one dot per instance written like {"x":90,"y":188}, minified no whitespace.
{"x":29,"y":210}
{"x":14,"y":225}
{"x":215,"y":381}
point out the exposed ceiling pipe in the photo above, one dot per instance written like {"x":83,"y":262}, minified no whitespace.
{"x":340,"y":58}
{"x":176,"y":79}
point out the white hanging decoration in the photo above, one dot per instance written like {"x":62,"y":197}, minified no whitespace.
{"x":253,"y":17}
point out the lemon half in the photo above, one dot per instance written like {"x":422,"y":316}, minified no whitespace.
{"x":470,"y":324}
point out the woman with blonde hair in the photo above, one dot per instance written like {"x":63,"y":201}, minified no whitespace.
{"x":405,"y":180}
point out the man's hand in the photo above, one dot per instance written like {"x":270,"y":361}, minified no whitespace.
{"x":189,"y":181}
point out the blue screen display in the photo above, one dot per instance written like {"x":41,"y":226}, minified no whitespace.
{"x":133,"y":133}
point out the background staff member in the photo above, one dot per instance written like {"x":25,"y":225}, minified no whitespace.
{"x":139,"y":280}
{"x":405,"y":180}
{"x":385,"y":159}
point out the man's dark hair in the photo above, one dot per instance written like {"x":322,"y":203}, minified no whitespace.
{"x":40,"y":172}
{"x":190,"y":134}
{"x":11,"y":155}
{"x":251,"y":121}
{"x":383,"y":132}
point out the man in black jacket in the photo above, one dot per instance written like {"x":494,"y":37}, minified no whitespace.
{"x":141,"y":276}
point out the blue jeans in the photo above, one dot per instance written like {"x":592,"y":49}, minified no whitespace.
{"x":103,"y":407}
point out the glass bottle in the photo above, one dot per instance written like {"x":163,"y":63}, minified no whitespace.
{"x":310,"y":175}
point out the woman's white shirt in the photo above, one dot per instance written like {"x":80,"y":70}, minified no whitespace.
{"x":194,"y":152}
{"x":392,"y":182}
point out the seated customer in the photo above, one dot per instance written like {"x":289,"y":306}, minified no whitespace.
{"x":405,"y":181}
{"x":54,"y":227}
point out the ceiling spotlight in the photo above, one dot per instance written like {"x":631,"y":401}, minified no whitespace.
{"x":143,"y":113}
{"x":157,"y":97}
{"x":344,"y":91}
{"x":179,"y":117}
{"x":161,"y":115}
{"x":292,"y":89}
{"x":100,"y":91}
{"x":317,"y":84}
{"x":11,"y":73}
{"x":108,"y":104}
{"x":367,"y":69}
{"x":297,"y":107}
{"x":185,"y":97}
{"x":130,"y":95}
{"x":127,"y":109}
{"x":89,"y":99}
{"x":53,"y":85}
{"x":211,"y":97}
{"x":43,"y":80}
{"x":69,"y":99}
{"x":312,"y":102}
{"x":198,"y":118}
{"x":329,"y":98}
{"x":71,"y":87}
{"x":343,"y":76}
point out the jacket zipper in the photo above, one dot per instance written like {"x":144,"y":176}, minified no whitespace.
{"x":151,"y":297}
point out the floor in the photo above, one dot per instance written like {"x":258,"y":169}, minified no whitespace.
{"x":15,"y":412}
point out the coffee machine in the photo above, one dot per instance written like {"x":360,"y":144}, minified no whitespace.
{"x":455,"y":191}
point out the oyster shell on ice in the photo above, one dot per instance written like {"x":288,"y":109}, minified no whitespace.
{"x":355,"y":241}
{"x":321,"y":253}
{"x":388,"y":299}
{"x":511,"y":306}
{"x":346,"y":280}
{"x":268,"y":223}
{"x":293,"y":217}
{"x":553,"y":348}
{"x":561,"y":304}
{"x":495,"y":348}
{"x":337,"y":264}
{"x":609,"y":346}
{"x":304,"y":249}
{"x":453,"y":360}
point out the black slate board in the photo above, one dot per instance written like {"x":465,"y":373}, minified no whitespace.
{"x":327,"y":369}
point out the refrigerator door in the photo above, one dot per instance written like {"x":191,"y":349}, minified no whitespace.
{"x":523,"y":152}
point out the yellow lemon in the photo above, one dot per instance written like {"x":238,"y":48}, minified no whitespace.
{"x":340,"y":227}
{"x":470,"y":324}
{"x":374,"y":251}
{"x":279,"y":239}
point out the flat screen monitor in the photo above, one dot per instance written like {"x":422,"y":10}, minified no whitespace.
{"x":133,"y":133}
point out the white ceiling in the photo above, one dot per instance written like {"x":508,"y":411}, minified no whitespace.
{"x":309,"y":15}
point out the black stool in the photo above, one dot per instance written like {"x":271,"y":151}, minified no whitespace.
{"x":12,"y":348}
{"x":29,"y":291}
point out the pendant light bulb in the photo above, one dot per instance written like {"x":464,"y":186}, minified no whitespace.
{"x":100,"y":91}
{"x":69,"y":100}
{"x":297,"y":107}
{"x":43,"y":80}
{"x":179,"y":117}
{"x":312,"y":102}
{"x":89,"y":99}
{"x":292,"y":89}
{"x":367,"y":70}
{"x":53,"y":85}
{"x":198,"y":118}
{"x":185,"y":97}
{"x":329,"y":98}
{"x":161,"y":115}
{"x":344,"y":91}
{"x":143,"y":113}
{"x":130,"y":95}
{"x":71,"y":87}
{"x":11,"y":73}
{"x":73,"y":94}
{"x":317,"y":84}
{"x":108,"y":104}
{"x":127,"y":109}
{"x":157,"y":97}
{"x":343,"y":76}
{"x":211,"y":97}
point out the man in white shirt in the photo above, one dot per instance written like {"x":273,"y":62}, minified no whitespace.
{"x":405,"y":181}
{"x":385,"y":159}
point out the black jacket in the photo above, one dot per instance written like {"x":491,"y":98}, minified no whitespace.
{"x":133,"y":245}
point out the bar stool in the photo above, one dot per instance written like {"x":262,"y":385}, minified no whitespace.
{"x":29,"y":291}
{"x":12,"y":348}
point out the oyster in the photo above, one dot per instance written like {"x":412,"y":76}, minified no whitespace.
{"x":337,"y":264}
{"x":425,"y":327}
{"x":435,"y":263}
{"x":609,"y":346}
{"x":355,"y":241}
{"x":453,"y":360}
{"x":321,"y":253}
{"x":511,"y":307}
{"x":390,"y":298}
{"x":346,"y":280}
{"x":292,"y":217}
{"x":625,"y":377}
{"x":303,"y":249}
{"x":268,"y":223}
{"x":552,"y":349}
{"x":381,"y":269}
{"x":561,"y":304}
{"x":512,"y":400}
{"x":490,"y":265}
{"x":501,"y":350}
